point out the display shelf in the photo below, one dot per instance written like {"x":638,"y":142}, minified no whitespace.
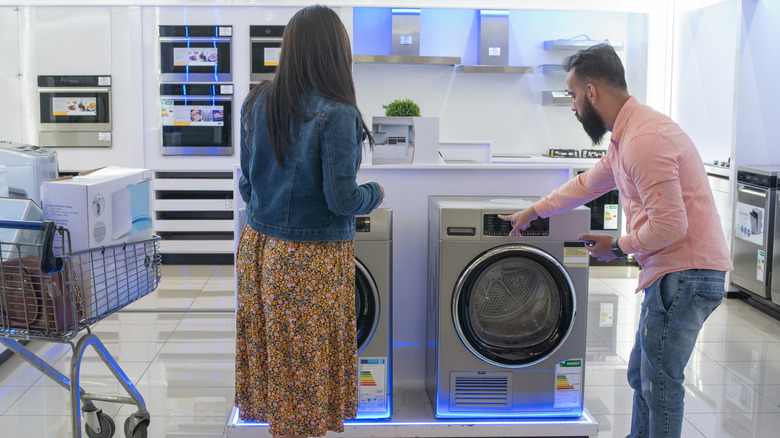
{"x":413,"y":417}
{"x":556,"y":98}
{"x":194,"y":212}
{"x":502,"y":69}
{"x":574,"y":44}
{"x":395,"y":59}
{"x":553,"y":69}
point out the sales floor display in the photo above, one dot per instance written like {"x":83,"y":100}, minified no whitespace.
{"x":506,"y":315}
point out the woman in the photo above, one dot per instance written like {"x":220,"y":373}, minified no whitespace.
{"x":301,"y":144}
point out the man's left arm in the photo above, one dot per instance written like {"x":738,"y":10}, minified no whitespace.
{"x":653,"y":164}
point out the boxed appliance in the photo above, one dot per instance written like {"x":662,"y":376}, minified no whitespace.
{"x":101,"y":207}
{"x":16,"y":243}
{"x":27,"y":166}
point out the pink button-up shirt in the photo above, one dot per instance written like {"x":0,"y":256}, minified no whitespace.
{"x":671,"y":220}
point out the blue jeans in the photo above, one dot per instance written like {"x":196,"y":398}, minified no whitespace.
{"x":674,"y":310}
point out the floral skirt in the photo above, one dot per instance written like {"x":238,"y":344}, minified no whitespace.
{"x":296,"y":365}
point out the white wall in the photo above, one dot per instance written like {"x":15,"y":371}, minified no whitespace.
{"x":704,"y":76}
{"x":10,"y":88}
{"x":758,"y":93}
{"x":503,"y":109}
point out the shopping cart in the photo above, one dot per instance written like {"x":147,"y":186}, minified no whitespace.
{"x":49,"y":293}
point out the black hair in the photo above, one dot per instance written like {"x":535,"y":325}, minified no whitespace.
{"x":599,"y":62}
{"x":315,"y":55}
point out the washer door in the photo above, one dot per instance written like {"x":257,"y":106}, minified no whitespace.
{"x":366,"y":305}
{"x":513,"y":306}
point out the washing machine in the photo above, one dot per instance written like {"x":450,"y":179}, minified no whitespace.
{"x":506,"y":315}
{"x":373,"y":304}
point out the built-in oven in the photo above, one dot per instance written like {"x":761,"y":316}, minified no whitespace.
{"x":605,"y":212}
{"x":266,"y":43}
{"x":752,"y":234}
{"x":196,"y":119}
{"x":74,"y":111}
{"x":195,"y":53}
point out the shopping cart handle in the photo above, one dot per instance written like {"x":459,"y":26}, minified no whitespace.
{"x":49,"y":262}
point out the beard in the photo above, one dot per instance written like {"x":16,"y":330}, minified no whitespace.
{"x":591,"y":122}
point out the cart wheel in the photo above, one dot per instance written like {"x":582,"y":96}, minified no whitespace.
{"x":140,"y":429}
{"x":107,"y":427}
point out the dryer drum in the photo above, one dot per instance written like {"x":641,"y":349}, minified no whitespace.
{"x":512,"y":303}
{"x":513,"y":306}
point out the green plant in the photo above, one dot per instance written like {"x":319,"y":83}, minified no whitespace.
{"x":402,"y":108}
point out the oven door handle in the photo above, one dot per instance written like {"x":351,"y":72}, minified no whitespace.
{"x":751,"y":191}
{"x":74,"y":90}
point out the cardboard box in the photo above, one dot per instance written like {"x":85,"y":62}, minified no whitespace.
{"x":102,"y":207}
{"x":16,"y":243}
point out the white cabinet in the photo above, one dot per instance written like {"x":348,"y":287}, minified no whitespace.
{"x":194,"y":216}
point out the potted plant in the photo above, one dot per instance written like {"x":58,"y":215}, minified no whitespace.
{"x":403,"y":136}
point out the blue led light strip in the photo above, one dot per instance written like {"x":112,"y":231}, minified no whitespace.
{"x":406,"y":11}
{"x":495,"y":13}
{"x":216,"y":34}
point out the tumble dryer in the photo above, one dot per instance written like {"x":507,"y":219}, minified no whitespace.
{"x":506,"y":315}
{"x":373,"y":304}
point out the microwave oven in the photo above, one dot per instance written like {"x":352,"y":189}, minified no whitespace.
{"x":266,"y":43}
{"x":74,"y":111}
{"x":196,"y":119}
{"x":195,"y":53}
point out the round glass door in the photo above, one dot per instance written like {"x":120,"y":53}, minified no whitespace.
{"x":366,"y":305}
{"x":513,"y":306}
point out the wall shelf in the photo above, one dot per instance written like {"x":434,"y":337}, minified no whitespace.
{"x":572,"y":44}
{"x":503,"y":69}
{"x":394,"y":59}
{"x":553,"y":69}
{"x":556,"y":98}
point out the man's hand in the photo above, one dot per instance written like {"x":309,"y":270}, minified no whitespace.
{"x":601,"y":249}
{"x":519,"y":219}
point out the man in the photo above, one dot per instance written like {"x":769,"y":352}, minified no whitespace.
{"x":672,"y":229}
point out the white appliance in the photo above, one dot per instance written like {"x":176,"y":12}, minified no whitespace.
{"x":373,"y":305}
{"x":506,"y":315}
{"x":27,"y":166}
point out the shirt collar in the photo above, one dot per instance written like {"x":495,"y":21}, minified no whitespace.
{"x":622,"y":119}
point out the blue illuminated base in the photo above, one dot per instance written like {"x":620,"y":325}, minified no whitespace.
{"x":413,"y":417}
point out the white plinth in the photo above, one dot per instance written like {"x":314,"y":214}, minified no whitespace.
{"x":413,"y":417}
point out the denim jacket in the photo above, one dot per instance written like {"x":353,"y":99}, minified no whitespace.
{"x":314,"y":196}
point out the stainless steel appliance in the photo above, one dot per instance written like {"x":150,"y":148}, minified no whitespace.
{"x":74,"y":111}
{"x":27,"y":166}
{"x":752,"y":238}
{"x":507,"y":316}
{"x":195,"y":53}
{"x":197,"y":119}
{"x":373,"y":305}
{"x":266,"y":42}
{"x":775,"y":285}
{"x":605,"y":212}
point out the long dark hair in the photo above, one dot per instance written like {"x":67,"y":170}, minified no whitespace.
{"x":315,"y":55}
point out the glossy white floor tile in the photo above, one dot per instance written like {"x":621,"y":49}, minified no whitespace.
{"x":177,"y":346}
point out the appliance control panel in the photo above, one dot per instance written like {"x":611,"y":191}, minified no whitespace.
{"x":563,"y":153}
{"x":362,"y":224}
{"x":592,"y":153}
{"x":492,"y":225}
{"x":756,"y":179}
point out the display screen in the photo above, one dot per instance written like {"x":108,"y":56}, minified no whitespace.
{"x":265,"y":56}
{"x":199,"y":122}
{"x":495,"y":226}
{"x":74,"y":107}
{"x":195,"y":57}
